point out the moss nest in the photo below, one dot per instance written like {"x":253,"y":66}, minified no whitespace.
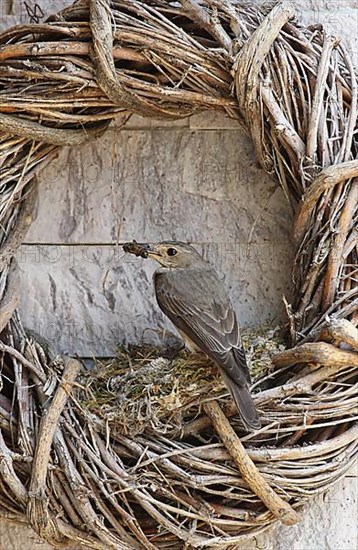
{"x":145,"y":388}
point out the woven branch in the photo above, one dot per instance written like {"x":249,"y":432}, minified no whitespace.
{"x":294,"y":90}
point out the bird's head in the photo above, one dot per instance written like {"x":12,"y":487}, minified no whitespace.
{"x":173,"y":254}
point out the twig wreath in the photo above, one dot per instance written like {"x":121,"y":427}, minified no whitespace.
{"x":295,"y":91}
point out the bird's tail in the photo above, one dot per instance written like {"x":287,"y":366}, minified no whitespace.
{"x":244,"y":403}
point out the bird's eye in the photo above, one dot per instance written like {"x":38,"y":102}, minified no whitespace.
{"x":171,"y":251}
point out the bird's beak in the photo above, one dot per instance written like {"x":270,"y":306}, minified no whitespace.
{"x":152,"y":250}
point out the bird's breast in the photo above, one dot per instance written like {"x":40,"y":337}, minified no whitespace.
{"x":189,"y":344}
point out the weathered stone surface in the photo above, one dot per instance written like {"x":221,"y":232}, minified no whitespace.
{"x":16,"y":12}
{"x":86,"y":299}
{"x":201,"y":186}
{"x":329,"y":522}
{"x":198,"y":186}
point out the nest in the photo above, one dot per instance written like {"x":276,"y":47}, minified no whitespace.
{"x":148,"y":389}
{"x":193,"y":479}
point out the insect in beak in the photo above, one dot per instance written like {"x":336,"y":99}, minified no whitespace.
{"x":140,"y":249}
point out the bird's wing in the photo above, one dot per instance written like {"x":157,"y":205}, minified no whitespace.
{"x":208,"y":320}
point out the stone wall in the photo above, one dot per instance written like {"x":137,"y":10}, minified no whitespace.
{"x":195,"y":179}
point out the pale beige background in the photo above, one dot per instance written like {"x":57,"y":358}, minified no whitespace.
{"x":196,"y":180}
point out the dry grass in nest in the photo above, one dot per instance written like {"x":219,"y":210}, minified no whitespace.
{"x":144,"y":388}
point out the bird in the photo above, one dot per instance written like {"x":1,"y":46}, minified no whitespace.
{"x":191,"y":295}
